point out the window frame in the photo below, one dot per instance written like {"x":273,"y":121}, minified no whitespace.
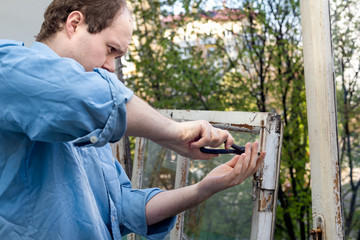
{"x":269,"y":126}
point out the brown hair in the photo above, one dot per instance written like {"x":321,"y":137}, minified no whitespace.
{"x":99,"y":14}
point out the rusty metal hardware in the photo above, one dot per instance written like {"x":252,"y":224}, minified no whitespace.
{"x":317,"y":233}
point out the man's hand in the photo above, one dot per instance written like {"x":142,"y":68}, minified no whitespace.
{"x":191,"y":136}
{"x":232,"y":172}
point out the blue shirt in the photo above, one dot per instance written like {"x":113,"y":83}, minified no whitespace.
{"x":58,"y":178}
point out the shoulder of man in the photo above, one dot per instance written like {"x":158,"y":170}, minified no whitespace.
{"x":9,"y":42}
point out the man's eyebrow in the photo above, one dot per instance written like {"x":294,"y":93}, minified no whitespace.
{"x":117,"y":46}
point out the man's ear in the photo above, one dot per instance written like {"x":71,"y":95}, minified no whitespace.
{"x":74,"y":20}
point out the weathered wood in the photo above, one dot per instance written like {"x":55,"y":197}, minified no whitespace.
{"x":121,"y":152}
{"x":182,"y":171}
{"x":322,"y":119}
{"x":235,"y":121}
{"x":266,"y":182}
{"x":137,"y":174}
{"x":269,"y":128}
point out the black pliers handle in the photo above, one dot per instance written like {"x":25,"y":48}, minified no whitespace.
{"x":235,"y":149}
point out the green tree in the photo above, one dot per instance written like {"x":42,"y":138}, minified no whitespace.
{"x":345,"y":33}
{"x":256,"y":68}
{"x":268,"y":75}
{"x":164,"y":76}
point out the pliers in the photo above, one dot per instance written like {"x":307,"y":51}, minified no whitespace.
{"x":235,"y":149}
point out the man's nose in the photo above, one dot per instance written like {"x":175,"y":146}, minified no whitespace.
{"x":109,"y":64}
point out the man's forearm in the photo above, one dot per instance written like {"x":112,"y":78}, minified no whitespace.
{"x":145,"y":121}
{"x":169,"y":203}
{"x":184,"y":138}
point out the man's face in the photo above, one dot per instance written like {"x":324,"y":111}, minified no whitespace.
{"x":101,"y":49}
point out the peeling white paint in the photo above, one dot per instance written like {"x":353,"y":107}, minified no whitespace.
{"x":322,"y":122}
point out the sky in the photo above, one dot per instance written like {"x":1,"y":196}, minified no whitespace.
{"x":21,"y":19}
{"x":207,"y":5}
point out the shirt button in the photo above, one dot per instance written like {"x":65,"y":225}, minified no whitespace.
{"x":113,"y":218}
{"x":93,"y":139}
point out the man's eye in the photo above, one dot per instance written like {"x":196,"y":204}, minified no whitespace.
{"x":112,"y":49}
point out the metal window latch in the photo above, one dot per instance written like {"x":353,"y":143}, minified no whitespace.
{"x":317,"y":233}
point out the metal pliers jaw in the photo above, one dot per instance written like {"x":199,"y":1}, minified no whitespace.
{"x":235,"y":150}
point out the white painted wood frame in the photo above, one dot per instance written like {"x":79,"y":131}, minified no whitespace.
{"x":265,"y":182}
{"x":322,"y":120}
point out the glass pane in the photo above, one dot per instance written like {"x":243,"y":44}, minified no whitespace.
{"x":226,"y":215}
{"x":159,"y":167}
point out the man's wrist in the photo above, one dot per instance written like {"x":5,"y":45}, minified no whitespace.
{"x":203,"y":192}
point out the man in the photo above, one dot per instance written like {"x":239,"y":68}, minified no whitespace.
{"x":61,"y":107}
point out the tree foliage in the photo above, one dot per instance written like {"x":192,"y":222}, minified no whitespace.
{"x":253,"y":64}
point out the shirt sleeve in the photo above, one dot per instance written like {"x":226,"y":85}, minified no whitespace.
{"x":133,"y":219}
{"x":52,"y":99}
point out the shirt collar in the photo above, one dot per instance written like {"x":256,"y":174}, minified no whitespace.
{"x":44,"y":48}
